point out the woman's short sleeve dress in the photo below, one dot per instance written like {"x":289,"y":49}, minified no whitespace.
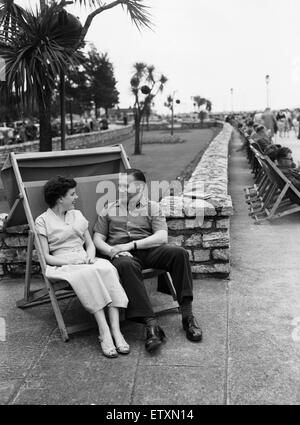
{"x":96,"y":285}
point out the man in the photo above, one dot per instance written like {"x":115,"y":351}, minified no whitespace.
{"x":270,"y":122}
{"x":133,"y":233}
{"x":262,"y":138}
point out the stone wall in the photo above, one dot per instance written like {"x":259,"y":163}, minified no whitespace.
{"x":182,"y":126}
{"x":76,"y":141}
{"x":203,"y":226}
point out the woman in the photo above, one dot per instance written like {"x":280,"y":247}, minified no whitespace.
{"x":286,"y":164}
{"x":63,"y":231}
{"x":281,"y":123}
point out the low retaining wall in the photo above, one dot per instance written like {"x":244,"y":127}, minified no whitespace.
{"x":183,"y":126}
{"x":203,"y":226}
{"x":76,"y":141}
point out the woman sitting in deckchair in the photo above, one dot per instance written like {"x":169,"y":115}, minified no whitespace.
{"x":286,"y":164}
{"x":63,"y":231}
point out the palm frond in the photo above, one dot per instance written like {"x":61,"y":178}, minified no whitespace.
{"x":11,"y":16}
{"x":90,"y":3}
{"x":139,"y":69}
{"x":163,"y":79}
{"x":38,"y":52}
{"x":138,"y":12}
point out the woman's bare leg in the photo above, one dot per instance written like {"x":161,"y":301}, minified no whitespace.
{"x":104,"y":330}
{"x":114,"y":318}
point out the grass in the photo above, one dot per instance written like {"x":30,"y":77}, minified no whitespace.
{"x":168,"y":161}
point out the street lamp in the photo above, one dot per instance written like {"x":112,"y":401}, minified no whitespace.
{"x":268,"y":91}
{"x":231,"y":92}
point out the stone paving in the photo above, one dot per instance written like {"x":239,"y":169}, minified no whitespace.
{"x":250,"y":353}
{"x":293,"y":143}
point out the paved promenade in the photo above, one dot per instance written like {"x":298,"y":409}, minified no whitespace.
{"x":250,"y":353}
{"x":293,"y":143}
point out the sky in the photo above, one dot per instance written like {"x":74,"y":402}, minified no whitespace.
{"x":206,"y":48}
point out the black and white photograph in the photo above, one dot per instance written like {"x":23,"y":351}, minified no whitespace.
{"x":149,"y":205}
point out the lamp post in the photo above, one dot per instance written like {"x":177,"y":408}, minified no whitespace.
{"x":268,"y":90}
{"x":231,"y":92}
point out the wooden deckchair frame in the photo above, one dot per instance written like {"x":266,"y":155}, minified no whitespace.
{"x":58,"y":290}
{"x":274,"y":199}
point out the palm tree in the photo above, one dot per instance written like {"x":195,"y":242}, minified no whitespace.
{"x":39,"y":47}
{"x":36,"y":49}
{"x":199,"y":100}
{"x":143,"y":74}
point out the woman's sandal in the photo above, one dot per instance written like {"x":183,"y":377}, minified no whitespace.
{"x":124,"y":348}
{"x":107,"y":351}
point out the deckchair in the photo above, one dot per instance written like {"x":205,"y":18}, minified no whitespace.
{"x":24,"y":176}
{"x":279,"y":198}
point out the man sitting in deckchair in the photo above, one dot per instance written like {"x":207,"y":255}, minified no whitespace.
{"x":133,"y":233}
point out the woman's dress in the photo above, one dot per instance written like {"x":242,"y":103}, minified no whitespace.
{"x":96,"y":285}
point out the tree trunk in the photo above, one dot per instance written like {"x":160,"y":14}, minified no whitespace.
{"x":137,"y":146}
{"x":44,"y":104}
{"x":62,"y":111}
{"x":71,"y":118}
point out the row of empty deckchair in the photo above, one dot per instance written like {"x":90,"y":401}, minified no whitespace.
{"x":273,"y":195}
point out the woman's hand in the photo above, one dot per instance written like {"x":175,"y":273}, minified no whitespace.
{"x":90,"y":259}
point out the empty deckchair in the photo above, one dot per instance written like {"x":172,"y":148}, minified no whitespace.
{"x":24,"y":176}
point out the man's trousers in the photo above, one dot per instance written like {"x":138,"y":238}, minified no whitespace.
{"x":171,"y":258}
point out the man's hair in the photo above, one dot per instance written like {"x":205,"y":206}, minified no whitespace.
{"x":137,"y":174}
{"x":272,"y":151}
{"x":259,"y":128}
{"x":283,"y":152}
{"x":57,"y":187}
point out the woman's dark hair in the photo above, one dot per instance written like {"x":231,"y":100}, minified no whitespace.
{"x":272,"y":151}
{"x":57,"y":187}
{"x":137,"y":174}
{"x":283,"y":152}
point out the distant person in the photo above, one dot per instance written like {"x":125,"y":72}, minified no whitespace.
{"x":22,"y":133}
{"x":263,"y":140}
{"x":284,"y":159}
{"x":125,"y":119}
{"x":31,"y":131}
{"x":270,"y":122}
{"x":295,"y":123}
{"x":281,"y":123}
{"x":104,"y":124}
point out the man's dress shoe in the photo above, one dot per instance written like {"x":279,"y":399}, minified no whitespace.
{"x":154,"y":337}
{"x":192,"y":329}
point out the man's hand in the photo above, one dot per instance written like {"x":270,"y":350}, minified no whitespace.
{"x":124,"y":254}
{"x":120,"y":250}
